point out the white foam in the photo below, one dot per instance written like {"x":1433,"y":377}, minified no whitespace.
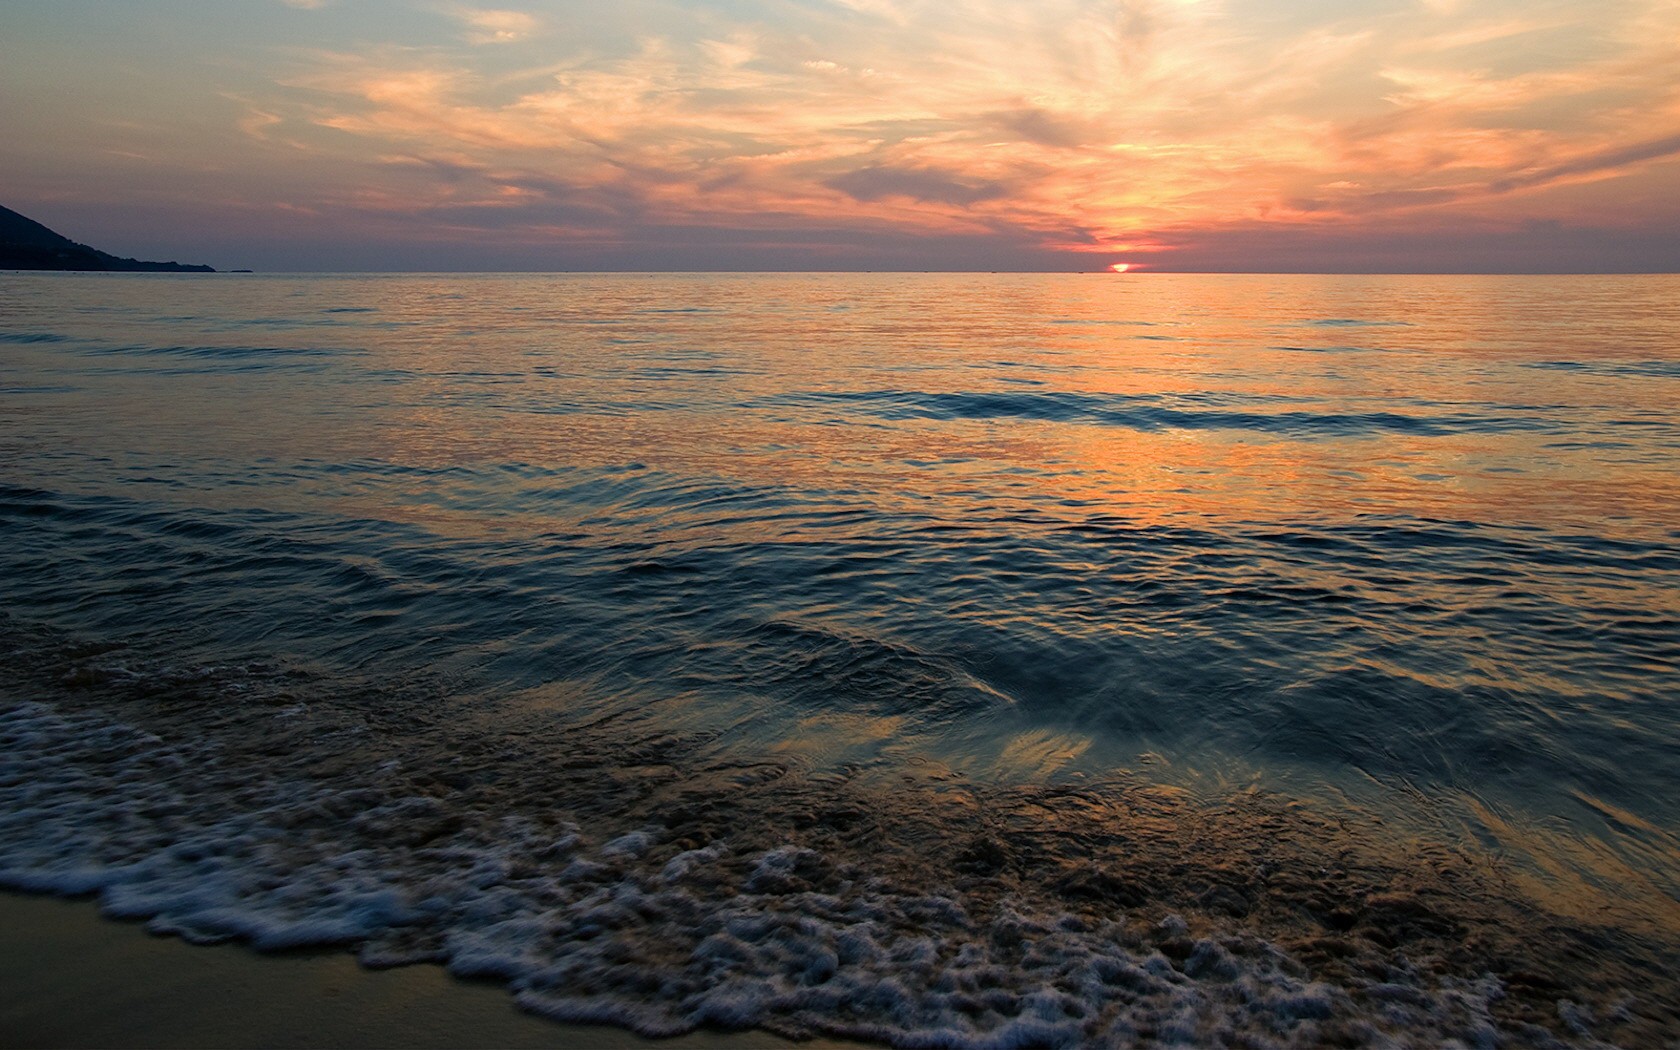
{"x":627,"y":931}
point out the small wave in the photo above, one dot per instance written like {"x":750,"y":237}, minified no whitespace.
{"x":669,"y":372}
{"x":826,"y":667}
{"x":1653,"y":369}
{"x":1353,"y":322}
{"x":224,"y":353}
{"x":1102,"y":322}
{"x":1147,"y":412}
{"x":1331,"y":349}
{"x":33,"y":337}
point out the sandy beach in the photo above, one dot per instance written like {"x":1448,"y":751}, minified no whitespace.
{"x":74,"y":979}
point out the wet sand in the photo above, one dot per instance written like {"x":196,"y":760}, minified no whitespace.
{"x":74,"y":979}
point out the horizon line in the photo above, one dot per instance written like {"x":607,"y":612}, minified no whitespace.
{"x":244,"y":272}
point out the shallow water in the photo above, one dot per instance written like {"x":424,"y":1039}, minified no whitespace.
{"x":904,"y":612}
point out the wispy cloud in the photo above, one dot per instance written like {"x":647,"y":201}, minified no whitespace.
{"x":493,"y":26}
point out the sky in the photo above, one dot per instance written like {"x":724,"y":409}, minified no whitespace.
{"x":1225,"y":135}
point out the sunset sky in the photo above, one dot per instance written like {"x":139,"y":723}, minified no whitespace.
{"x":1389,"y":135}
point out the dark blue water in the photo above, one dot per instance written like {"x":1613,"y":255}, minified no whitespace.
{"x":780,"y":567}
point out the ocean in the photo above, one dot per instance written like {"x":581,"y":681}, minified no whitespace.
{"x":930,"y":659}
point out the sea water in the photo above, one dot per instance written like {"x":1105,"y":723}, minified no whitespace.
{"x":953,"y":660}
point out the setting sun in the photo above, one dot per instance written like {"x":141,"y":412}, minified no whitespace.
{"x":1120,"y":267}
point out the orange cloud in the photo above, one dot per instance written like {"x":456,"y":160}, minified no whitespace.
{"x":1069,"y":125}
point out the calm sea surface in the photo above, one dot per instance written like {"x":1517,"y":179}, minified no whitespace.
{"x":935,"y":659}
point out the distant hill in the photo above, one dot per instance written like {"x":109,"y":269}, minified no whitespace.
{"x":27,"y":245}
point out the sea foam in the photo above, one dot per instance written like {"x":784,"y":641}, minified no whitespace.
{"x":622,"y":927}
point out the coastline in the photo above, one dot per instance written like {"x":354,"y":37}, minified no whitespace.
{"x":291,"y":814}
{"x":75,"y":979}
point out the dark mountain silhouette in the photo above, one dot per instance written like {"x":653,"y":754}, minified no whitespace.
{"x":27,"y":245}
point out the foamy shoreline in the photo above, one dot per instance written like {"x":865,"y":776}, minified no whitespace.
{"x":73,"y":979}
{"x":246,"y":806}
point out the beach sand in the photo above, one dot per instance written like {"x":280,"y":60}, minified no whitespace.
{"x":70,"y":978}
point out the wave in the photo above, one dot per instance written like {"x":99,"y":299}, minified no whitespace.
{"x":1146,"y":412}
{"x":222,"y":353}
{"x":671,"y":590}
{"x":26,"y":338}
{"x":610,"y":876}
{"x":1353,"y":322}
{"x":1642,"y":369}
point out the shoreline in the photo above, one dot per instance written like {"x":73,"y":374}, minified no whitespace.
{"x":75,"y":978}
{"x":680,"y":893}
{"x":620,"y":874}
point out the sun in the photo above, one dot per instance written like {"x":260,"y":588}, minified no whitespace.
{"x":1120,"y":267}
